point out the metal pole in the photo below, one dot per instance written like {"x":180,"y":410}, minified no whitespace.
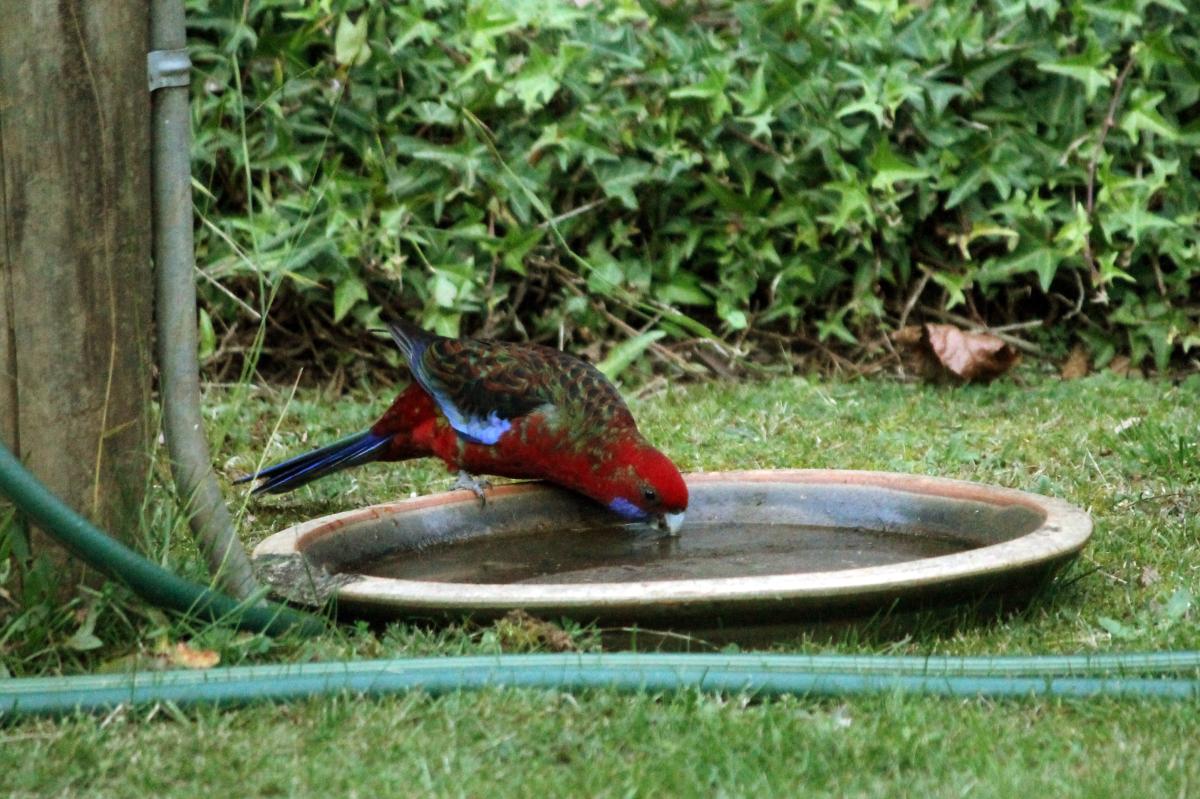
{"x":179,"y":375}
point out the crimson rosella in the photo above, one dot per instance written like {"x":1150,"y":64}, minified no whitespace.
{"x":513,"y":410}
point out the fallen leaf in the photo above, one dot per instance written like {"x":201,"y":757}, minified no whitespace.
{"x":183,"y":655}
{"x":1149,"y":576}
{"x":519,"y":630}
{"x":971,"y":356}
{"x":1077,"y":364}
{"x":1121,"y":366}
{"x":163,"y":656}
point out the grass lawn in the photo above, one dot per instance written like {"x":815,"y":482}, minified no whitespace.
{"x":1125,"y":449}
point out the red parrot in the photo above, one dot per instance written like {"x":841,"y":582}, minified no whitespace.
{"x":513,"y":410}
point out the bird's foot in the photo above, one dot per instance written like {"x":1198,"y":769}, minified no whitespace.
{"x":476,"y":485}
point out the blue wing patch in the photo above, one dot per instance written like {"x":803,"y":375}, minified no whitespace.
{"x":476,"y":430}
{"x":486,"y":430}
{"x":481,"y":387}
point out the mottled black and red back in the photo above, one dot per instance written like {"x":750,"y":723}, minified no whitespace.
{"x":482,"y":386}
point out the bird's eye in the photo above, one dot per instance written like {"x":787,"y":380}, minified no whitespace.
{"x":650,"y":494}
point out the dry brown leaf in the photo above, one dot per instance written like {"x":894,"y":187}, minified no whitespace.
{"x":165,"y":655}
{"x":519,"y":630}
{"x":971,"y":356}
{"x":1077,"y":364}
{"x":1121,"y":366}
{"x":184,"y":656}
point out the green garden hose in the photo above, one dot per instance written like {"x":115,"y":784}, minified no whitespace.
{"x":151,"y":582}
{"x":760,"y":675}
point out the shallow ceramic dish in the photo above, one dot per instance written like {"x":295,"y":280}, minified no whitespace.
{"x":760,"y":544}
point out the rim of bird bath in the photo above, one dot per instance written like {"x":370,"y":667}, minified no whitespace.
{"x":1056,"y":531}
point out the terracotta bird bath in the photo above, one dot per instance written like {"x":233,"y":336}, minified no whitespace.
{"x":759,"y":546}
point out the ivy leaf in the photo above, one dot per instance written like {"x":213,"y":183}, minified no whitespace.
{"x":517,"y":244}
{"x":1141,"y":115}
{"x":967,"y":185}
{"x":755,"y":95}
{"x":891,"y":169}
{"x":760,"y":124}
{"x":350,"y":42}
{"x":707,"y":89}
{"x":444,"y":291}
{"x":535,"y":85}
{"x":1074,"y":233}
{"x":606,"y":275}
{"x":1135,"y":220}
{"x":732,"y":316}
{"x":833,"y":325}
{"x":955,"y":286}
{"x":712,"y":89}
{"x":348,"y":292}
{"x":1087,"y":67}
{"x":619,"y":180}
{"x":684,"y":289}
{"x":940,"y":94}
{"x":1043,"y":261}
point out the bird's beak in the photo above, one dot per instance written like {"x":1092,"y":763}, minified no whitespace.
{"x":671,"y":522}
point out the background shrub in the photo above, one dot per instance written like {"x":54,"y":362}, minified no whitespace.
{"x":586,"y":170}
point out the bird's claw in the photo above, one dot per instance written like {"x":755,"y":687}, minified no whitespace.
{"x":476,"y":485}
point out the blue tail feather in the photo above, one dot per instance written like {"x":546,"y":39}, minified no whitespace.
{"x":294,"y":472}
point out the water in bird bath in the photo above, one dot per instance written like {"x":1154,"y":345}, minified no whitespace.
{"x":629,"y":553}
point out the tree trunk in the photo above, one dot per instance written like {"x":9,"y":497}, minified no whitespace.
{"x":75,"y":264}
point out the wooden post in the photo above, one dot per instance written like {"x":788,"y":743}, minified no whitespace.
{"x":75,"y":271}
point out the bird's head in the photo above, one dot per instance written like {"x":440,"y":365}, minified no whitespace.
{"x":644,"y":485}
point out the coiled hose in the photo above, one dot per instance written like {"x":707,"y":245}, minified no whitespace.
{"x":148,"y":580}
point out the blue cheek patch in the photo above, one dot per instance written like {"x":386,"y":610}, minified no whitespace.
{"x":626,"y":508}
